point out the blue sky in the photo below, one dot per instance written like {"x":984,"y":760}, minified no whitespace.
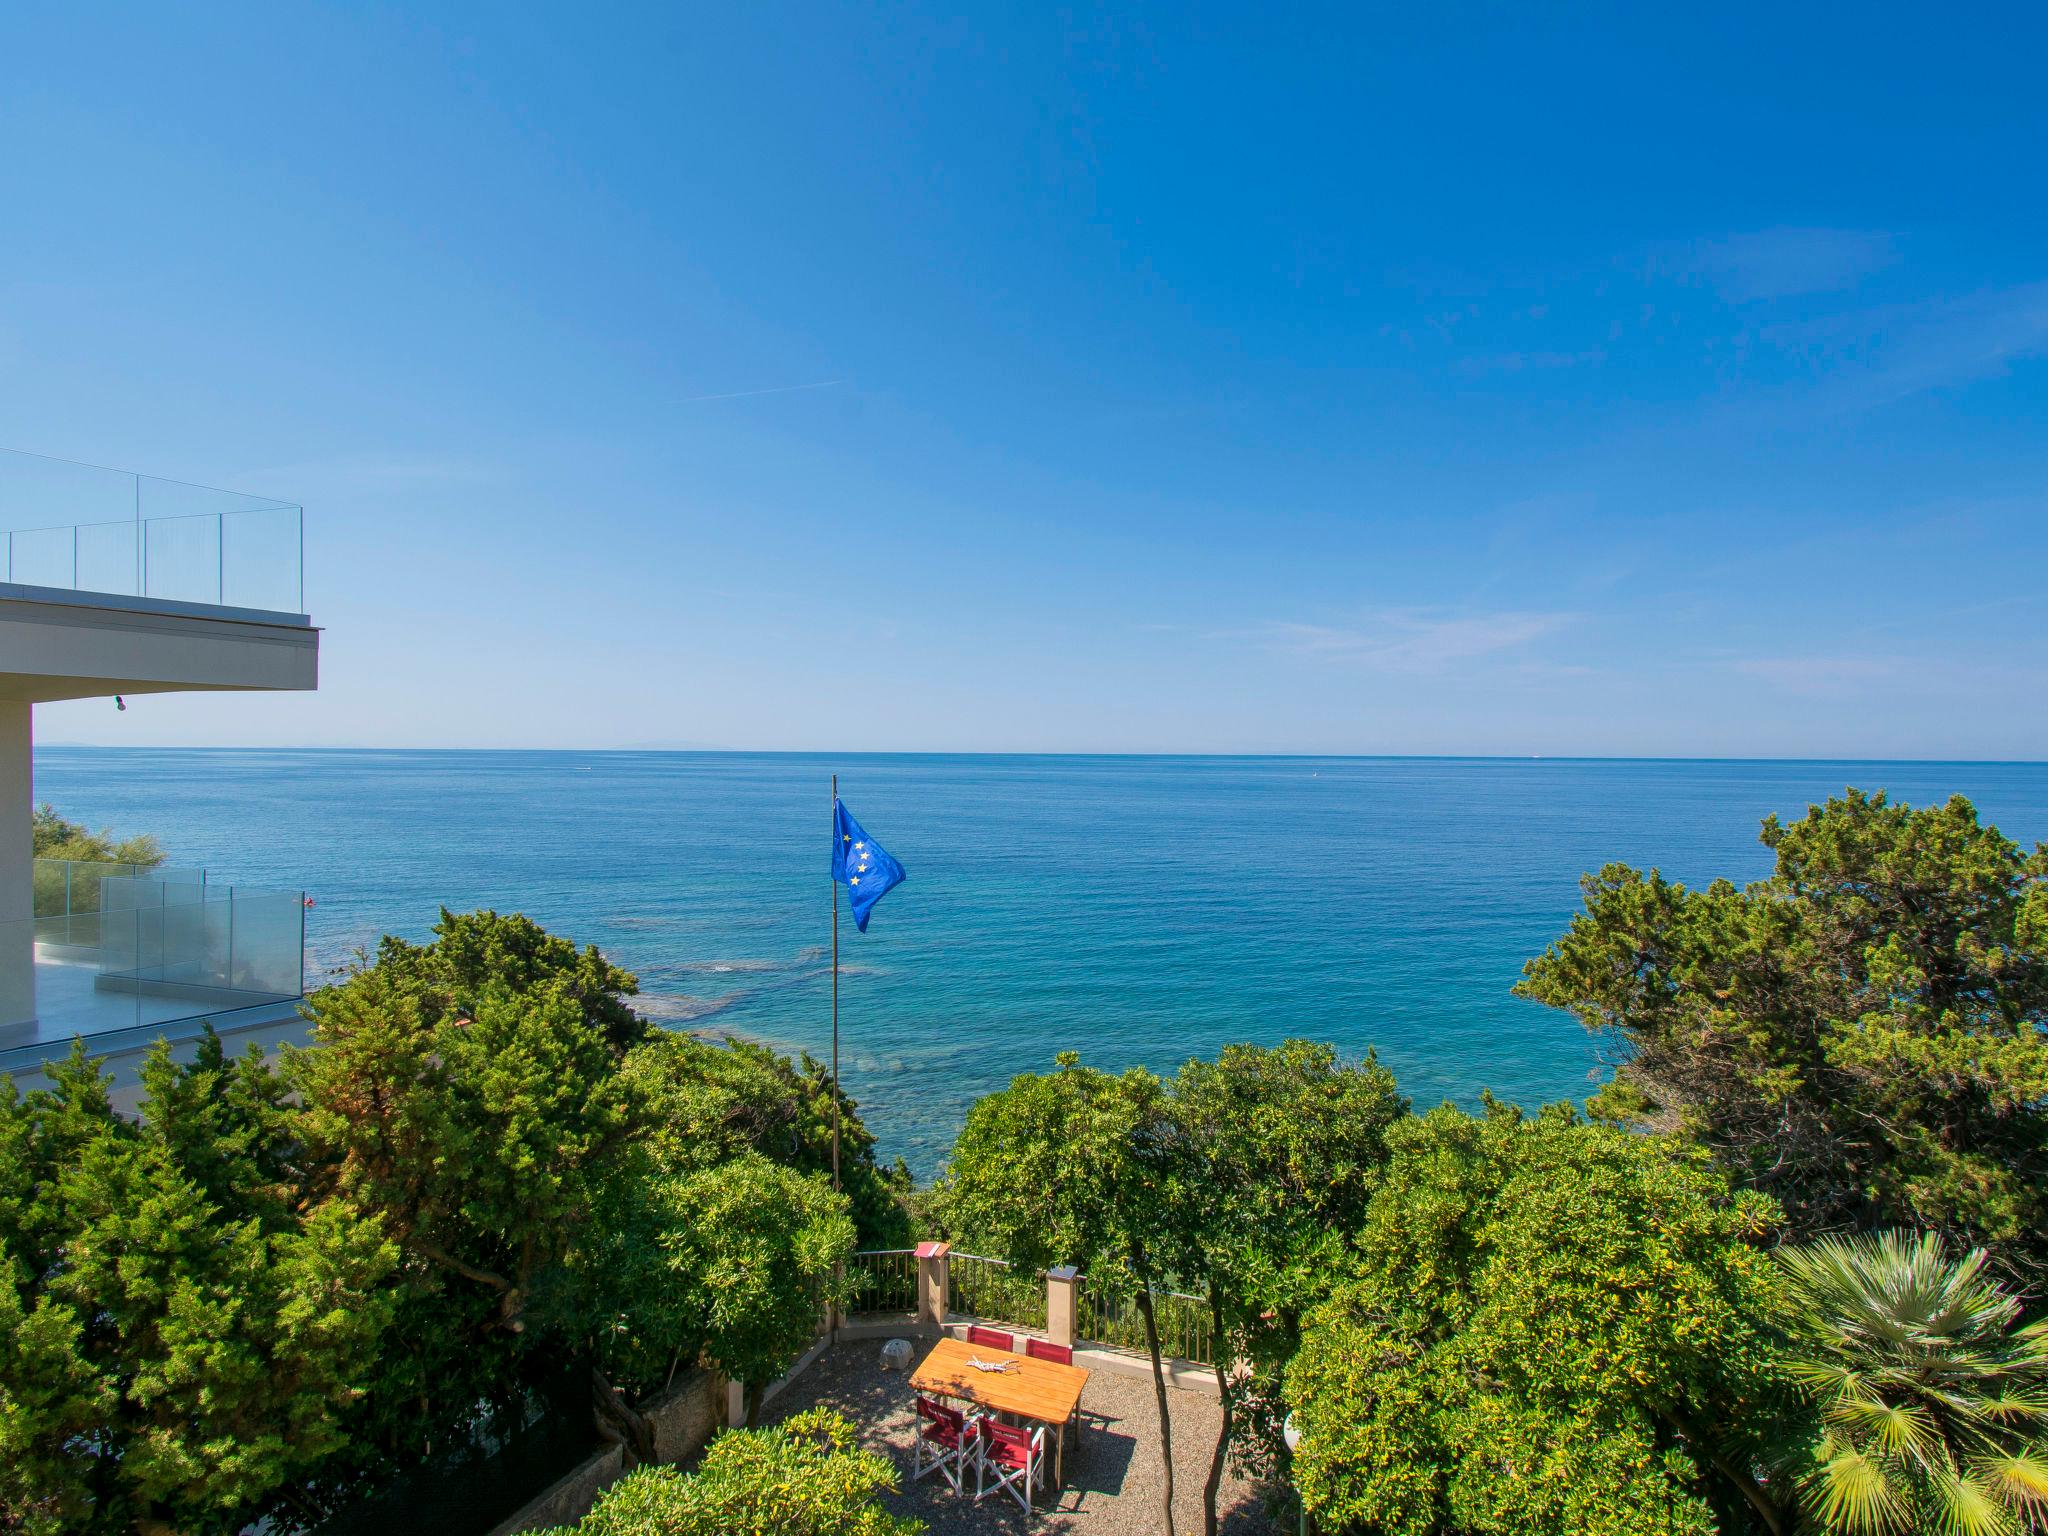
{"x":1671,"y":381}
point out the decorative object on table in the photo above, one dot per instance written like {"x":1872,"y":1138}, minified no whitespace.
{"x":896,"y":1355}
{"x":991,"y":1365}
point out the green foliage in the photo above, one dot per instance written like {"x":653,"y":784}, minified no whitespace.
{"x":759,"y":1243}
{"x":1551,"y":1326}
{"x":1283,"y":1147}
{"x":52,"y":837}
{"x":1071,"y":1167}
{"x":1934,"y":1405}
{"x":805,"y":1477}
{"x":183,"y":1337}
{"x":473,"y":952}
{"x":1860,"y":1035}
{"x":707,"y":1104}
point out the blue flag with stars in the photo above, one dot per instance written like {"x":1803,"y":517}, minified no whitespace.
{"x":862,"y":865}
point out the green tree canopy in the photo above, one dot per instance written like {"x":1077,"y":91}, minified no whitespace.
{"x":1077,"y":1167}
{"x":1552,"y":1327}
{"x":183,"y":1338}
{"x":1860,"y":1034}
{"x":1283,"y":1147}
{"x":708,"y":1103}
{"x":804,"y":1477}
{"x":474,"y":951}
{"x":52,"y":837}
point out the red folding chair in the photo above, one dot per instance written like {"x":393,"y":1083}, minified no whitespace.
{"x":1016,"y":1456}
{"x":989,"y":1338}
{"x":947,"y":1440}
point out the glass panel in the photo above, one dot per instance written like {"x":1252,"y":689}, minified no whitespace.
{"x":107,"y":558}
{"x":152,"y":951}
{"x":51,"y":991}
{"x":75,"y":527}
{"x":182,"y":558}
{"x":40,"y":557}
{"x":260,"y":559}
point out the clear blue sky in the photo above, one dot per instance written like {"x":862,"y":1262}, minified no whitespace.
{"x":1674,"y":381}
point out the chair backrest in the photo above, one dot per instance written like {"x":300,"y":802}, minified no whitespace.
{"x":1045,"y":1349}
{"x":990,"y":1338}
{"x":940,"y":1415}
{"x":1009,"y":1443}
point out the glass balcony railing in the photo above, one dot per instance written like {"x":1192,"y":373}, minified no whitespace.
{"x":81,"y":528}
{"x":116,"y":954}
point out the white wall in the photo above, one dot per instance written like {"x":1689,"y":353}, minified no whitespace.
{"x":17,"y":868}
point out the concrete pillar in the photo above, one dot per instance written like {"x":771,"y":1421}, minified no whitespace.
{"x":934,"y":1285}
{"x":17,"y":866}
{"x":1062,"y":1286}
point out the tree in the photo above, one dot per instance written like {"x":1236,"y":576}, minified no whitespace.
{"x":709,"y":1103}
{"x":761,"y":1247}
{"x":1931,"y":1399}
{"x":1283,"y":1148}
{"x":1859,"y":1035}
{"x":804,"y":1477}
{"x":472,"y":951}
{"x":52,"y":837}
{"x":1076,"y":1167}
{"x":184,"y":1342}
{"x":481,"y":1135}
{"x":1554,"y":1327}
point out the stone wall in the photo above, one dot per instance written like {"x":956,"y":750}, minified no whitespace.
{"x":569,"y":1497}
{"x":684,"y":1416}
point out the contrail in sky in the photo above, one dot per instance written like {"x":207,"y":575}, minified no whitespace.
{"x":779,"y":389}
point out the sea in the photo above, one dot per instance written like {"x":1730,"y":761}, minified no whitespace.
{"x":1137,"y":910}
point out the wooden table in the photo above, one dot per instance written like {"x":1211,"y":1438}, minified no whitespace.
{"x":1043,"y":1391}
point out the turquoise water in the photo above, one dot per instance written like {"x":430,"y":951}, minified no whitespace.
{"x":1136,"y":909}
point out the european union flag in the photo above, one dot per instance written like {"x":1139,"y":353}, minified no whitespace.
{"x":862,"y":865}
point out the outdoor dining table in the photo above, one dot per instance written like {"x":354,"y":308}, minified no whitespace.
{"x":1043,"y":1391}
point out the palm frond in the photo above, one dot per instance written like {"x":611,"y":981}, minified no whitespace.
{"x":1967,"y":1507}
{"x":1856,"y":1497}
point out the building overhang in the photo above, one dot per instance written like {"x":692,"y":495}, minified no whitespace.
{"x":60,"y":644}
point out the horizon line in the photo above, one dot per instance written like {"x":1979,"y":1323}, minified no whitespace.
{"x":1300,"y":756}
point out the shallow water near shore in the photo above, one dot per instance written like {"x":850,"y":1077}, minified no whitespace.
{"x":1138,"y":910}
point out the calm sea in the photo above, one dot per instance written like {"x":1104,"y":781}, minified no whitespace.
{"x":1139,"y":910}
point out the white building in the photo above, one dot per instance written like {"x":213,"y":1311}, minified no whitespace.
{"x":192,"y":589}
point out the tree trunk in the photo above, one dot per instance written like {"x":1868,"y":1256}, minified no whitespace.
{"x":1165,"y":1417}
{"x":1758,"y":1500}
{"x":752,"y":1394}
{"x":1225,"y":1387}
{"x":629,"y":1424}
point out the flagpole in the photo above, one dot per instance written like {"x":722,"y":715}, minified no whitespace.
{"x":835,"y":994}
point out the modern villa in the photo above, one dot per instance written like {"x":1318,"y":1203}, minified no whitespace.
{"x":113,"y":585}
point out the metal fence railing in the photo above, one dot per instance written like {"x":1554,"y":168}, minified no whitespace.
{"x":991,"y":1289}
{"x":883,"y":1280}
{"x":1111,"y":1318}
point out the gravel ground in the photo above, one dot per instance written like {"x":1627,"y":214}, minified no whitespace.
{"x":1112,"y":1476}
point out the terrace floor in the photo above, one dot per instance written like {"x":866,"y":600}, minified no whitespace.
{"x":1112,"y":1475}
